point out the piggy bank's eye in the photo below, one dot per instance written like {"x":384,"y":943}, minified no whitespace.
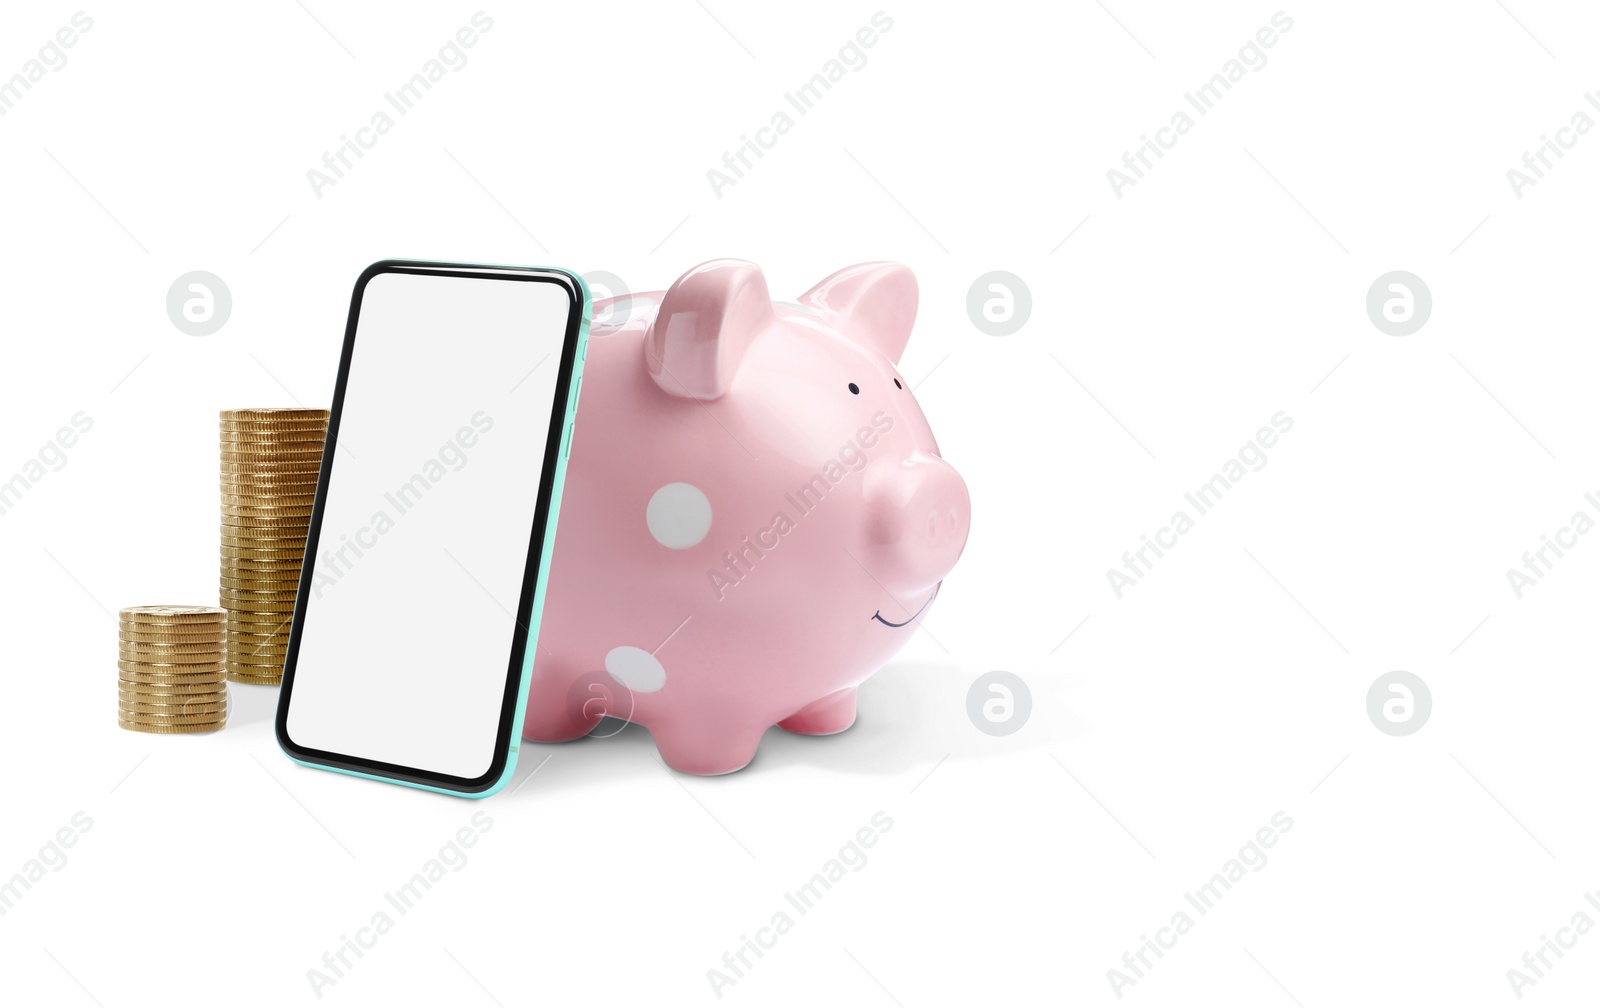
{"x":855,"y":389}
{"x":897,"y":384}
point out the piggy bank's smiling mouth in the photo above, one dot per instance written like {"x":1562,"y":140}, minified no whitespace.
{"x":879,"y":614}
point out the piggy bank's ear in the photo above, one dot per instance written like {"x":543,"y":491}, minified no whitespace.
{"x":881,"y":296}
{"x":704,"y":326}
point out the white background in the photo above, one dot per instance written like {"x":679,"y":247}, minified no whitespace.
{"x":1167,"y":726}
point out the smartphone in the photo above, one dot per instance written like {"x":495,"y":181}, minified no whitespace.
{"x":416,"y":619}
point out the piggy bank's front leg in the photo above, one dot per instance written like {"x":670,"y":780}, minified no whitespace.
{"x":828,"y":716}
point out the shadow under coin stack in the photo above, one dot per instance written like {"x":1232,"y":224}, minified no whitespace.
{"x":270,"y":462}
{"x":169,"y":670}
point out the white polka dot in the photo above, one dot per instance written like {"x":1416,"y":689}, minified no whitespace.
{"x":678,"y":515}
{"x":636,"y":669}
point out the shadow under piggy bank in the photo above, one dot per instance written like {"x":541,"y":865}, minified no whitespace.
{"x":911,"y":717}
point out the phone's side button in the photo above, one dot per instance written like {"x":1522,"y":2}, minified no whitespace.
{"x":566,"y":442}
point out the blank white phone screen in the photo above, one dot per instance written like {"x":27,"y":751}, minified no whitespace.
{"x":410,"y":621}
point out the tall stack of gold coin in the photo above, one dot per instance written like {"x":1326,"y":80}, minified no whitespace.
{"x":169,"y":670}
{"x":270,"y":462}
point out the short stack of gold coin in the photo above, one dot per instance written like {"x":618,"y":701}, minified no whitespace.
{"x":270,"y":462}
{"x":170,"y":674}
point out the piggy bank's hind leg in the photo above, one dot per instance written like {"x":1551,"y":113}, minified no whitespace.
{"x":562,"y":705}
{"x":828,"y":716}
{"x":707,"y":747}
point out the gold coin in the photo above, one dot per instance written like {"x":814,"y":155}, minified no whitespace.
{"x":302,"y":439}
{"x":290,"y":528}
{"x":248,"y":548}
{"x":143,"y":635}
{"x":270,"y":425}
{"x":181,"y":669}
{"x":269,"y":531}
{"x":268,"y":677}
{"x":259,"y":649}
{"x":256,"y":664}
{"x":170,"y":614}
{"x":218,"y":695}
{"x":171,"y":629}
{"x":269,"y":584}
{"x":251,"y":680}
{"x":259,"y":467}
{"x":259,"y":414}
{"x":236,"y":596}
{"x":250,"y":476}
{"x":256,"y":616}
{"x":260,"y":506}
{"x":209,"y":679}
{"x":284,"y":566}
{"x":268,"y":484}
{"x":257,"y":604}
{"x":263,"y":552}
{"x":280,"y":607}
{"x":145,"y":665}
{"x":153,"y":692}
{"x":267,"y":528}
{"x":169,"y":647}
{"x":262,"y":627}
{"x":273,"y":515}
{"x":135,"y":709}
{"x":286,"y":572}
{"x":162,"y":661}
{"x":287,"y":581}
{"x":263,"y":539}
{"x":247,"y":641}
{"x":155,"y":717}
{"x":251,"y":459}
{"x":194,"y":729}
{"x":276,"y":646}
{"x":271,"y":518}
{"x":246,"y":633}
{"x":161,"y":682}
{"x":268,"y":656}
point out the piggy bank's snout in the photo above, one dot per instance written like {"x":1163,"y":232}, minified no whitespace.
{"x":920,"y":517}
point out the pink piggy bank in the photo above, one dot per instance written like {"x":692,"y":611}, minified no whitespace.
{"x":755,"y":515}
